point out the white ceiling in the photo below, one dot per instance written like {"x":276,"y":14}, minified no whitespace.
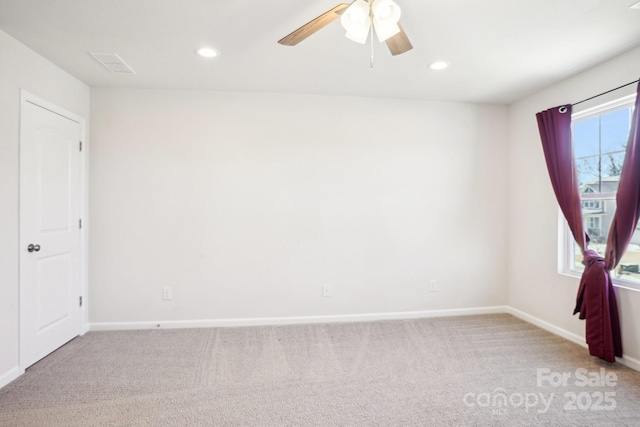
{"x":500,"y":50}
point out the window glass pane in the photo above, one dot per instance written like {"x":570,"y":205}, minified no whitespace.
{"x":599,"y":147}
{"x":612,"y":164}
{"x":598,"y":221}
{"x":586,"y":135}
{"x":589,"y":173}
{"x":614,"y":127}
{"x":630,"y":263}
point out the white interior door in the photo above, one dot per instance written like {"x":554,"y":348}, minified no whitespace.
{"x":50,"y":268}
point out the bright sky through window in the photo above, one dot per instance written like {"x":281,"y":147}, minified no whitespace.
{"x":599,"y":144}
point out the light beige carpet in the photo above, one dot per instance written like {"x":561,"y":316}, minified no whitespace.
{"x":490,"y":370}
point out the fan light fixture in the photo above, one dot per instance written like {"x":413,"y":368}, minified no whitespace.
{"x":357,"y":19}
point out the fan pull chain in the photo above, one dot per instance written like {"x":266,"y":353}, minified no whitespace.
{"x":371,"y":36}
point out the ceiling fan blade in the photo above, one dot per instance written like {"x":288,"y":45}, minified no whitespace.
{"x":314,"y":25}
{"x":399,"y":43}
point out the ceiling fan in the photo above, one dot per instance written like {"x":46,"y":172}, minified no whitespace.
{"x":360,"y":19}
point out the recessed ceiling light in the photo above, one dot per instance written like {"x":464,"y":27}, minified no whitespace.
{"x":207,"y":52}
{"x":440,"y":65}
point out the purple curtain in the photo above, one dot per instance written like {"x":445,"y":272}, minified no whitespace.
{"x":628,"y":197}
{"x":555,"y":132}
{"x":596,"y":300}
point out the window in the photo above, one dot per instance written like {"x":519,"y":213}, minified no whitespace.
{"x":594,"y":222}
{"x":599,"y":139}
{"x":591,"y":204}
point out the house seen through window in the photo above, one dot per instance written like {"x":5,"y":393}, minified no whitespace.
{"x":599,"y":139}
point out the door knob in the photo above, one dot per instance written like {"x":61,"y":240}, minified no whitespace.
{"x":33,"y":248}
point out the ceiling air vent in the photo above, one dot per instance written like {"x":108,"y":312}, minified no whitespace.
{"x":112,"y":62}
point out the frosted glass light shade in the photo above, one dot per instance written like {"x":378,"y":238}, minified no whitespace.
{"x":386,"y":14}
{"x":356,"y":21}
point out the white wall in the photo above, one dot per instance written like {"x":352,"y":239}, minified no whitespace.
{"x":535,"y":286}
{"x":21,"y":68}
{"x":246,"y":203}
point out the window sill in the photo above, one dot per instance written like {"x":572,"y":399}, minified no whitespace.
{"x":617,"y":282}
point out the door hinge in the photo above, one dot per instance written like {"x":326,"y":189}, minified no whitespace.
{"x":80,"y":145}
{"x":80,"y":301}
{"x":80,"y":223}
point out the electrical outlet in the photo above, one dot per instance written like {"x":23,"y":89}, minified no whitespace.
{"x":433,"y":285}
{"x":167,"y":293}
{"x":326,"y":290}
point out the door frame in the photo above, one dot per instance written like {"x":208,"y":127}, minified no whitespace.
{"x":83,"y":327}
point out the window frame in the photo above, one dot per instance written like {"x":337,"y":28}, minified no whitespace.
{"x":566,"y":244}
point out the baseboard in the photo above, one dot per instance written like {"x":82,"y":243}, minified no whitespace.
{"x":261,"y":321}
{"x":207,"y":323}
{"x":10,"y":375}
{"x":547,"y":326}
{"x":630,"y":362}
